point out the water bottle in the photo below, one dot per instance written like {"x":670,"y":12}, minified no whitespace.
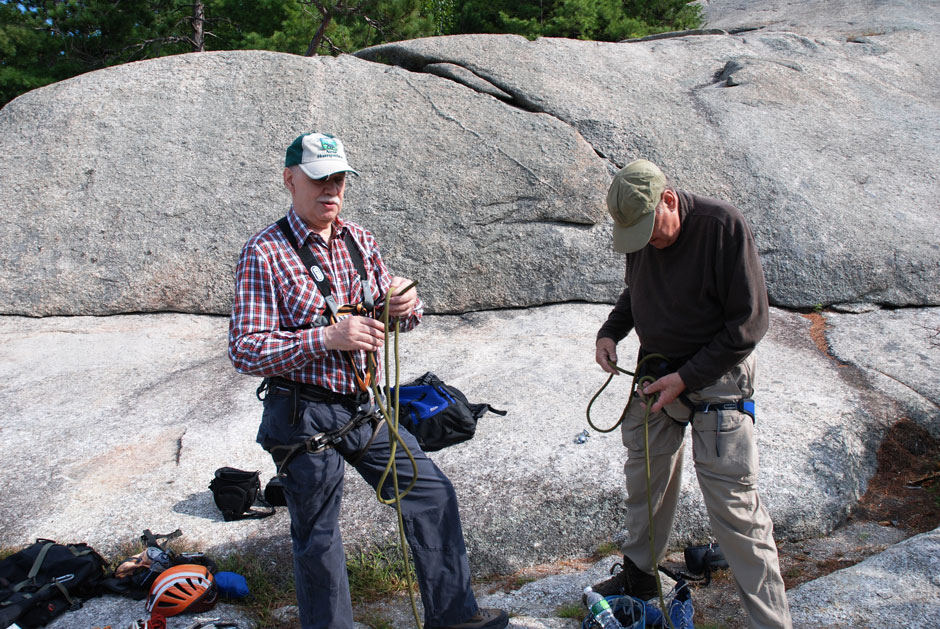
{"x":600,"y":609}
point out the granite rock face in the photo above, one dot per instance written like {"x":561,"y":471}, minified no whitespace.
{"x":486,"y":160}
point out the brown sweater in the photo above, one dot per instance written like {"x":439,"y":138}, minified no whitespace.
{"x":701,"y":301}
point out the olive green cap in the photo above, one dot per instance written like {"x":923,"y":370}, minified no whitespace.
{"x":631,"y":200}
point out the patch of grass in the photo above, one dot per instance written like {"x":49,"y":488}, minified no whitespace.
{"x":376,"y":621}
{"x":793,"y":573}
{"x":374,"y":573}
{"x":377,"y":572}
{"x":521,"y":580}
{"x":606,"y":549}
{"x":570,"y":610}
{"x":270,"y":582}
{"x":6,"y":551}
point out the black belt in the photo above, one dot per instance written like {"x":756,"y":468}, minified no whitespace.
{"x":277,"y":385}
{"x":658,"y":367}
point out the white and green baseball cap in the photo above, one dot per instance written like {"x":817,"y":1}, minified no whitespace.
{"x":631,"y":200}
{"x":319,"y":155}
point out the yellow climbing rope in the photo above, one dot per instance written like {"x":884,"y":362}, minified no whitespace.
{"x":389,"y":410}
{"x":637,"y":385}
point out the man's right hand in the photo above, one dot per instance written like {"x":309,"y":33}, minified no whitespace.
{"x":355,"y":333}
{"x":605,"y":353}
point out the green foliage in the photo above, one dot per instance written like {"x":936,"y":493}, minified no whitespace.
{"x":270,"y":581}
{"x":44,"y":41}
{"x":601,"y":20}
{"x":606,"y":549}
{"x":370,"y":22}
{"x":6,"y":551}
{"x":376,"y":572}
{"x":442,"y":14}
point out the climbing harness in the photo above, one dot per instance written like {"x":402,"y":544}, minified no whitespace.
{"x":364,"y":411}
{"x":636,"y":392}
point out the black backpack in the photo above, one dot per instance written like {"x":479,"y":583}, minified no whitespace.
{"x":235,"y":491}
{"x":46,"y":579}
{"x":437,"y":414}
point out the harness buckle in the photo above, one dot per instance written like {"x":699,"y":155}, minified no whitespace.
{"x":745,"y":405}
{"x":321,"y":441}
{"x":719,"y":406}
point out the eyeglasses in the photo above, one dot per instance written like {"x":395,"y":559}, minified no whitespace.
{"x":337,"y":178}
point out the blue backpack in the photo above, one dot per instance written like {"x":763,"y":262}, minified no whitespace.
{"x":437,"y":414}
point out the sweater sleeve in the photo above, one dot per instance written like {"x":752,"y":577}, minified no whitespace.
{"x":746,"y":309}
{"x":619,"y":321}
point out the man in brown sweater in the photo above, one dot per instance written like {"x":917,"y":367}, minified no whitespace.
{"x":695,"y":295}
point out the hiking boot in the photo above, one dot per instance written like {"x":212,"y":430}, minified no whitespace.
{"x":631,"y":581}
{"x":483,"y":619}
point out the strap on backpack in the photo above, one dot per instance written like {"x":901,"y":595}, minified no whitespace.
{"x":57,"y":582}
{"x":319,"y":277}
{"x":152,"y":539}
{"x":323,"y":285}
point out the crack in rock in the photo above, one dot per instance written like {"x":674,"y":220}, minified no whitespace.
{"x":446,"y":116}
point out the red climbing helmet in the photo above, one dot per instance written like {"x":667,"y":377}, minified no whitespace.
{"x":187,"y":587}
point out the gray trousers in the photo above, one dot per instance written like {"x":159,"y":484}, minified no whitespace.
{"x":724,"y":451}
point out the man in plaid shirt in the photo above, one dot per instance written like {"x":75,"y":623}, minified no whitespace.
{"x":280,"y":330}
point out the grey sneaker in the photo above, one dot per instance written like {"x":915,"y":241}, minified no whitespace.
{"x":483,"y":619}
{"x":631,"y":581}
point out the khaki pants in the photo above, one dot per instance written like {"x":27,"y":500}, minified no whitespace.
{"x":725,"y":455}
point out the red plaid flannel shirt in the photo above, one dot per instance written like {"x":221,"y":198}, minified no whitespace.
{"x":275,"y":295}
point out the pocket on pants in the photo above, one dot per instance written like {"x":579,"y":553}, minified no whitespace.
{"x":665,"y":434}
{"x":723,"y":446}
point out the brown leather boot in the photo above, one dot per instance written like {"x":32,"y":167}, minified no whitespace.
{"x":631,"y":581}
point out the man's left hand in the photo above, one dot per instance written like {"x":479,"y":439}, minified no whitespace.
{"x":669,"y":387}
{"x":401,"y":304}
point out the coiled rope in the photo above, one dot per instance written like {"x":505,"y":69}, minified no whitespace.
{"x":389,"y":410}
{"x":637,"y":386}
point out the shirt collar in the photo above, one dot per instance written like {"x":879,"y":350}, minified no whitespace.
{"x":302,"y":232}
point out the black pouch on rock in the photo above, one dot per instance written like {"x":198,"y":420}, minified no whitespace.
{"x":274,"y":493}
{"x":235,"y":491}
{"x":705,"y":558}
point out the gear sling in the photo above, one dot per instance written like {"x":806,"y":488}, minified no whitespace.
{"x":283,"y":455}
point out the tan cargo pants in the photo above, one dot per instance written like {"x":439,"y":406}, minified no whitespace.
{"x":724,"y":451}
